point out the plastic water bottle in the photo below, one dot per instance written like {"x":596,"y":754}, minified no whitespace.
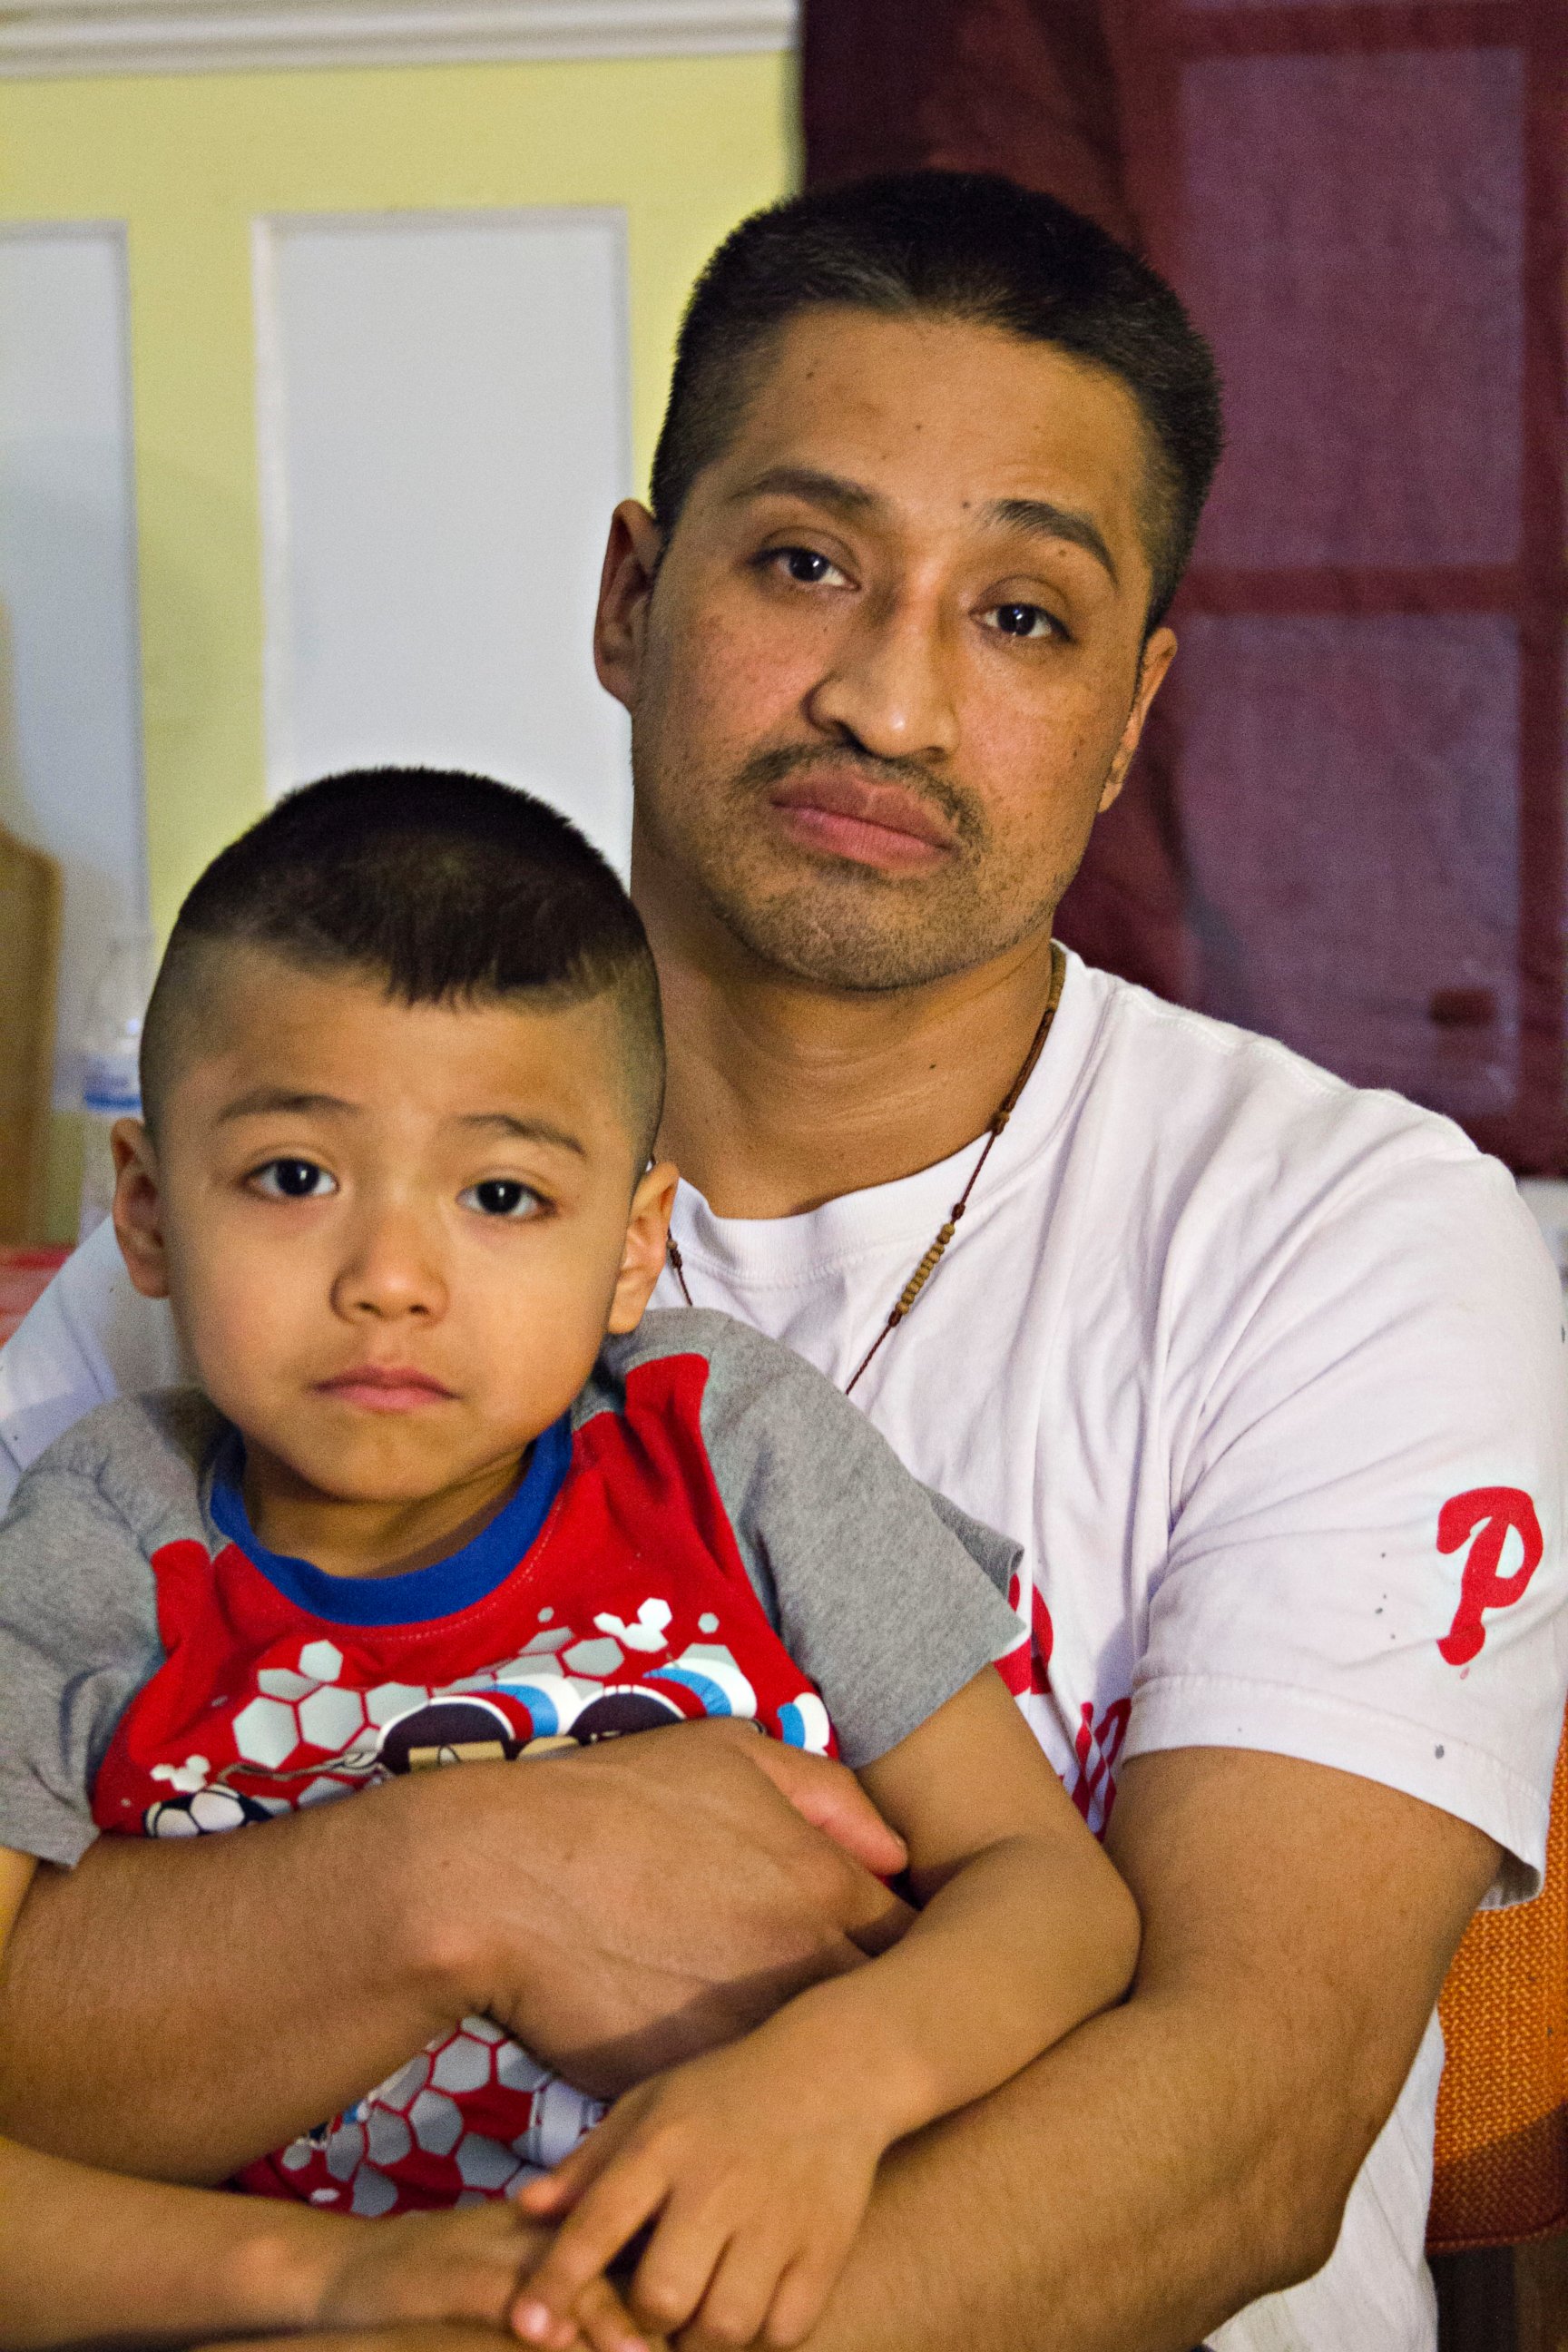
{"x":111,"y":1081}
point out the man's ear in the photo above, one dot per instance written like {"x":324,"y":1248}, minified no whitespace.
{"x":648,"y":1232}
{"x":631,"y":559}
{"x":138,"y":1211}
{"x":1157,"y":657}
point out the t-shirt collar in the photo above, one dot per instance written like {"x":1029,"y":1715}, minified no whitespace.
{"x":446,"y":1586}
{"x":757,"y":1252}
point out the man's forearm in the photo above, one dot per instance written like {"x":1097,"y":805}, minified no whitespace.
{"x":176,"y":2009}
{"x":1174,"y":2160}
{"x":180,"y":2008}
{"x":1126,"y":2193}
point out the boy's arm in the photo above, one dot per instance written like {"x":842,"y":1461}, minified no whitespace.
{"x":88,"y":2255}
{"x":1024,"y":1929}
{"x":16,"y":1877}
{"x":85,"y":2253}
{"x":756,"y":2162}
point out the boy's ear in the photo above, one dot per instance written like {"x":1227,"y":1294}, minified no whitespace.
{"x":138,"y":1211}
{"x":642,"y":1260}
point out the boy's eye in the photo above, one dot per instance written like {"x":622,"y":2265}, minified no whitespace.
{"x":293,"y":1180}
{"x":501,"y":1196}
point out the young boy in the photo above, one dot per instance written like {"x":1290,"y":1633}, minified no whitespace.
{"x":444,"y":1496}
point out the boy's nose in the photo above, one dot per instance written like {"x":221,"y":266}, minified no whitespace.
{"x":393,"y":1273}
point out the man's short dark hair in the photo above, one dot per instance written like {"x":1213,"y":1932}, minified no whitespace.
{"x":444,"y":887}
{"x":956,"y":245}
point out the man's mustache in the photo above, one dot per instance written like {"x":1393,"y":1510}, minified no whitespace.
{"x":959,"y":808}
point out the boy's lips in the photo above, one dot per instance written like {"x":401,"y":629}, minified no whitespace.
{"x":386,"y":1388}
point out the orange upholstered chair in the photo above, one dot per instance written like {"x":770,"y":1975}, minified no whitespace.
{"x":1501,"y":2172}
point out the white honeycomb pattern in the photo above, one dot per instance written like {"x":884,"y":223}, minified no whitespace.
{"x":311,"y":1708}
{"x":415,"y":2124}
{"x":473,"y":2115}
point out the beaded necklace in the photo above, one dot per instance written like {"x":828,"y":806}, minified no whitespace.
{"x":932,"y":1258}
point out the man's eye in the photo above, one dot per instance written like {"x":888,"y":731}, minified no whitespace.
{"x":805,"y":565}
{"x":293,"y":1180}
{"x":501,"y":1196}
{"x":1024,"y":621}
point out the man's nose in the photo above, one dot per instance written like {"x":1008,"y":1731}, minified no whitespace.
{"x":890,"y":685}
{"x":393,"y":1270}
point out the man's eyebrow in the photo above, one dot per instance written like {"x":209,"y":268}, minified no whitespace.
{"x":1041,"y":516}
{"x":264,"y":1102}
{"x":808,"y":482}
{"x":525,"y":1130}
{"x":1050,"y":521}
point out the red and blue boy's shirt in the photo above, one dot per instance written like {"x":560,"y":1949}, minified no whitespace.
{"x":608,"y":1596}
{"x":718,"y":1532}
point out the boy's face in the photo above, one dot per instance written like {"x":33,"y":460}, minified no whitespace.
{"x":393,"y":1236}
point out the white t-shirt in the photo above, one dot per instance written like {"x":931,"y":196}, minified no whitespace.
{"x":1267,"y":1376}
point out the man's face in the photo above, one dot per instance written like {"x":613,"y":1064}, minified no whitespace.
{"x":893,"y":663}
{"x":393,"y":1236}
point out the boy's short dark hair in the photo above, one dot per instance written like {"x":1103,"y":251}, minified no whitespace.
{"x":445,"y":887}
{"x":957,"y":245}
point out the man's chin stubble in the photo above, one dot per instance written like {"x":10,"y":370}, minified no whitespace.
{"x":844,"y":941}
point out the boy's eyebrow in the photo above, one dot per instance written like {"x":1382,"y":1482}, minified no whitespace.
{"x":526,"y":1130}
{"x":263,"y":1101}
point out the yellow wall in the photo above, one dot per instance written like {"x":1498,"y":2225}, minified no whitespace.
{"x":686,"y":145}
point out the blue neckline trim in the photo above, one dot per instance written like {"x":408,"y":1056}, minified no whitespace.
{"x":441,"y":1590}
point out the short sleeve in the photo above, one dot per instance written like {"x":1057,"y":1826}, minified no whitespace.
{"x":90,"y":1336}
{"x":78,"y":1637}
{"x":887,"y":1603}
{"x":1366,"y":1562}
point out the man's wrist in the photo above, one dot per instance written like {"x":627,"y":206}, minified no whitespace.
{"x":449,"y":1935}
{"x":433,"y":1933}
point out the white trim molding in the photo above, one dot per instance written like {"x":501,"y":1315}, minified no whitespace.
{"x":50,"y":37}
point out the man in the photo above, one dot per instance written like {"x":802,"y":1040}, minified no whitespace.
{"x":1265,"y":1374}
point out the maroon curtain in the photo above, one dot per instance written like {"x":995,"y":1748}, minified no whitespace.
{"x":1347,"y":824}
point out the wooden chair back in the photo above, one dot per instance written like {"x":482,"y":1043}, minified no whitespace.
{"x":29,"y":956}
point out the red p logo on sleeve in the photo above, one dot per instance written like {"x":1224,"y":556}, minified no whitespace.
{"x":1485,"y":1513}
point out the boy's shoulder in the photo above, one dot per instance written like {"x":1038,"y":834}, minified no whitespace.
{"x":144,"y":1456}
{"x":742,"y":1367}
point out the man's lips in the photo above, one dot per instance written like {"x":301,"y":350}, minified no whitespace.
{"x":874,"y":824}
{"x":386,"y":1388}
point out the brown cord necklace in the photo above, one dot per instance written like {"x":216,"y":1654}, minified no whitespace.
{"x":928,"y":1264}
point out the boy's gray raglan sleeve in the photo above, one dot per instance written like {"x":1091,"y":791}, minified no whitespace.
{"x":78,"y":1637}
{"x":891,"y":1599}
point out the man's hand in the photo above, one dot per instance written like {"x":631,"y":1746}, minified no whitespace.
{"x":674,"y":1896}
{"x":617,"y":1910}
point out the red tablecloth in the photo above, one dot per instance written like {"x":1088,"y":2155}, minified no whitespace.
{"x":24,"y":1273}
